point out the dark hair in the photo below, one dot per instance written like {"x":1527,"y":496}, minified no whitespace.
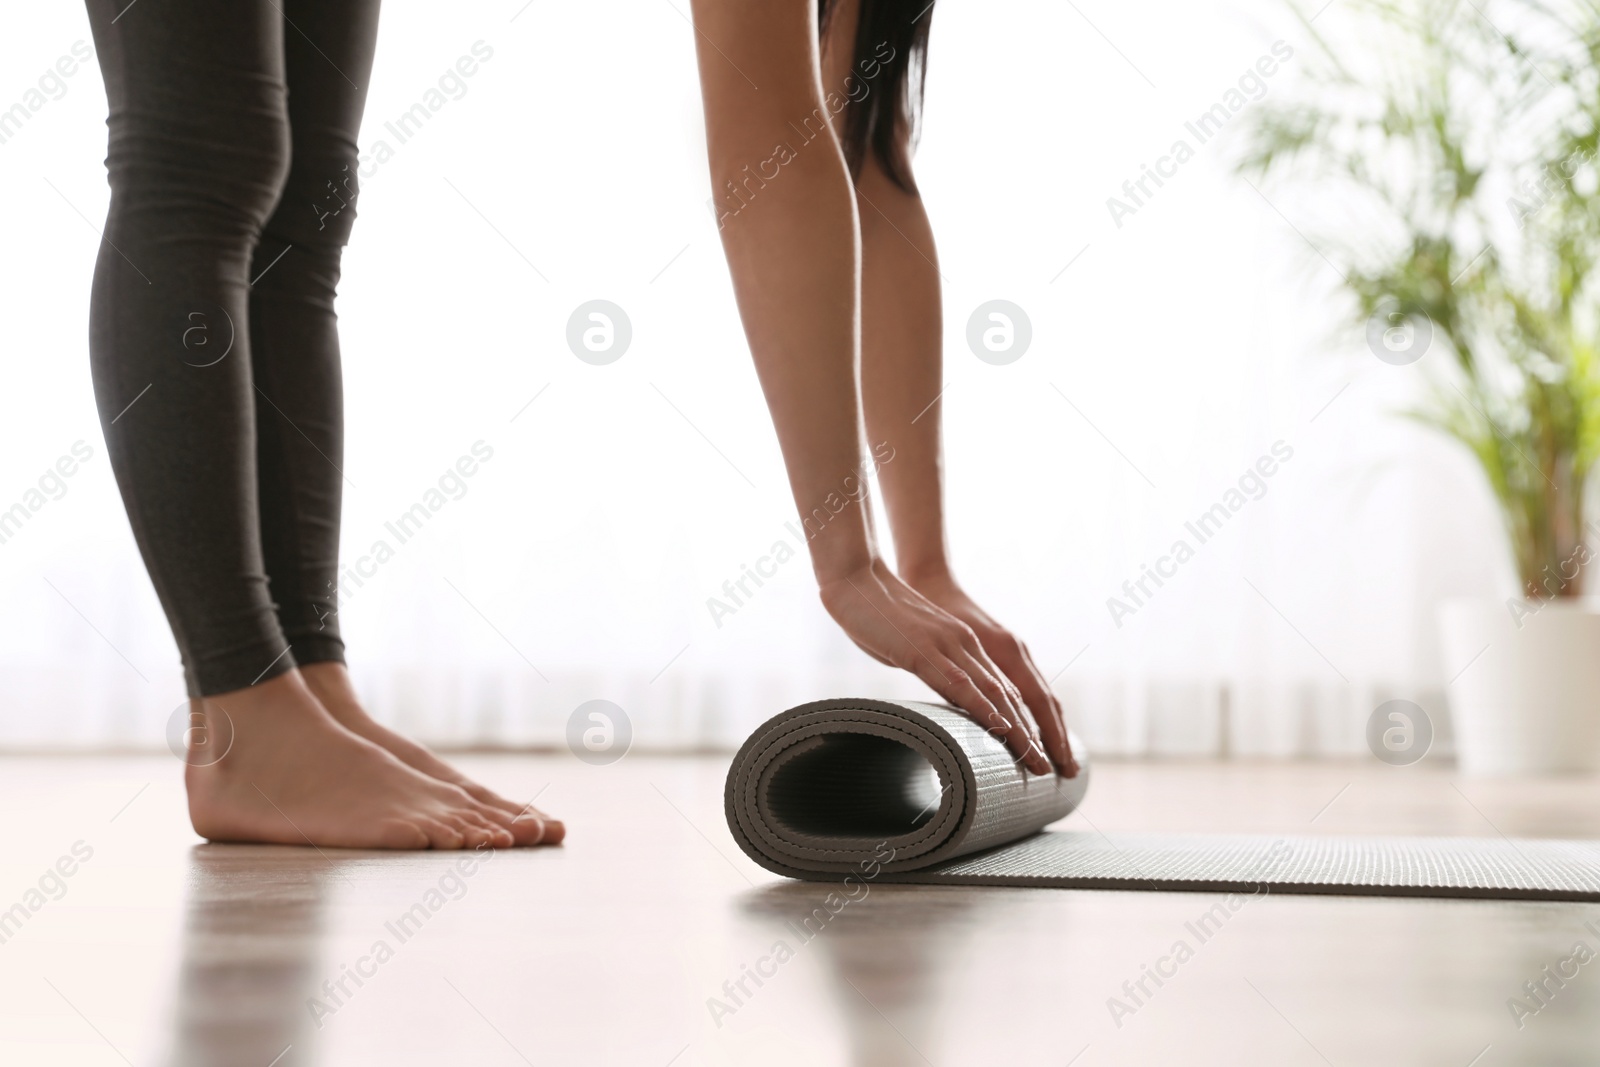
{"x":886,"y":118}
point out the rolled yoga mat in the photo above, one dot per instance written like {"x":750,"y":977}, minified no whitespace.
{"x":902,"y":791}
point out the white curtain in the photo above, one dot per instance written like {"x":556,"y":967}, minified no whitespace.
{"x":1169,"y":354}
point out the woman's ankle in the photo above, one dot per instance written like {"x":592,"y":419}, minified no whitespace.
{"x":329,"y":682}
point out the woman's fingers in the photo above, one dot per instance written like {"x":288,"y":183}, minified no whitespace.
{"x":1013,"y":658}
{"x":1014,"y":699}
{"x":1015,"y":730}
{"x":893,"y":623}
{"x":949,"y":659}
{"x":961,"y":688}
{"x":957,"y":686}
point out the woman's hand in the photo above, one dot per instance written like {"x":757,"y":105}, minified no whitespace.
{"x":895,"y":624}
{"x":1012,"y":657}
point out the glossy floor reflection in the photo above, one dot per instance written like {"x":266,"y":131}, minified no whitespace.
{"x":649,"y":939}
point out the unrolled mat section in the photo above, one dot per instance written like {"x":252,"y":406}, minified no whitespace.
{"x":902,"y":791}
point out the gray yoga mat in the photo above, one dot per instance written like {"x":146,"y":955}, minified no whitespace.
{"x":902,"y":791}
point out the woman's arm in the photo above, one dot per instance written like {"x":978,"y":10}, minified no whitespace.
{"x":789,"y":230}
{"x":901,"y":375}
{"x":902,"y":380}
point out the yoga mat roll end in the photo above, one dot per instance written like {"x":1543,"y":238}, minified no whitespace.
{"x":870,"y":786}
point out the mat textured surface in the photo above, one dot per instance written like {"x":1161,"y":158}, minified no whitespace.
{"x":902,"y":791}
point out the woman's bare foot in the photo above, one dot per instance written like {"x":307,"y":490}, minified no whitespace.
{"x":278,"y":768}
{"x":330,"y":683}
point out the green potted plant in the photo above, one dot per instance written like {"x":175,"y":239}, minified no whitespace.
{"x":1460,"y":144}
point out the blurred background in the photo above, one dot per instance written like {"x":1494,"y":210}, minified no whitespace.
{"x":1171,"y":348}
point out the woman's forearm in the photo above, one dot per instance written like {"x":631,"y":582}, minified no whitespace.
{"x":786,"y":212}
{"x":902,"y":367}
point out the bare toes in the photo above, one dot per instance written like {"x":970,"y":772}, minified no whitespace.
{"x":489,"y":833}
{"x":491,"y":814}
{"x":527,"y":823}
{"x":525,"y":826}
{"x":552,"y":830}
{"x":527,"y":831}
{"x":441,"y":834}
{"x":399,"y":833}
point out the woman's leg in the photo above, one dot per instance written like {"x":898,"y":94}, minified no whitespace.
{"x":294,"y":334}
{"x":294,"y":355}
{"x":197,"y":153}
{"x":197,"y":157}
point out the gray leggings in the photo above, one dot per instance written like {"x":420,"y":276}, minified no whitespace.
{"x":213,"y":340}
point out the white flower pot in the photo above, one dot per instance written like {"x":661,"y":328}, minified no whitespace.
{"x":1527,"y":699}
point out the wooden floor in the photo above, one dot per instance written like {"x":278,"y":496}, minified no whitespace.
{"x":628,"y":945}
